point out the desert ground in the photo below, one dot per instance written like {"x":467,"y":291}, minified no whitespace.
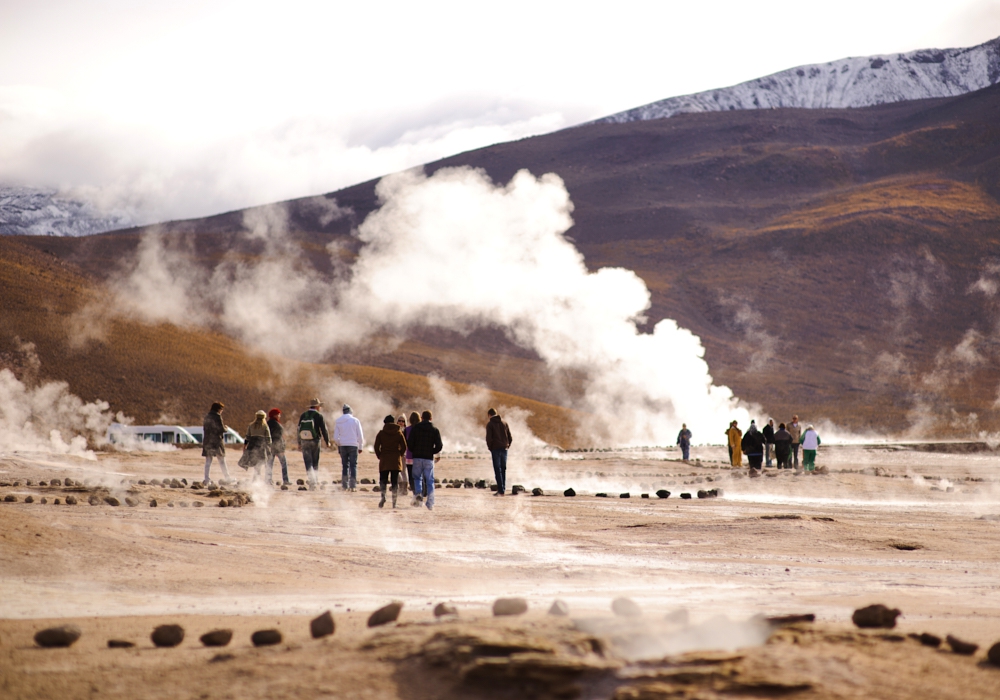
{"x":914,"y":527}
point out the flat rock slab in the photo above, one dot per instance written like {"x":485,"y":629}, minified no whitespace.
{"x":442,"y":609}
{"x":265,"y":638}
{"x":875,"y":616}
{"x":120,"y":644}
{"x":55,"y":637}
{"x":322,"y":626}
{"x":961,"y":647}
{"x":167,"y":635}
{"x":385,"y":614}
{"x":510,"y":606}
{"x":217,"y":638}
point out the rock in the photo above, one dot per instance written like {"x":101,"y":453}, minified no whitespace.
{"x":600,"y":495}
{"x":305,"y":488}
{"x":686,"y":496}
{"x":62,"y":636}
{"x":510,"y":606}
{"x":198,"y":504}
{"x":168,"y":635}
{"x":71,"y":500}
{"x":284,"y":487}
{"x":537,"y":492}
{"x":152,"y":503}
{"x":142,"y":482}
{"x":120,"y":644}
{"x":300,"y":482}
{"x":55,"y":501}
{"x":94,"y":499}
{"x":216,"y":638}
{"x":265,"y":638}
{"x":322,"y":626}
{"x":55,"y":482}
{"x":494,"y":487}
{"x":961,"y":647}
{"x":643,"y":495}
{"x":993,"y":655}
{"x":559,"y":608}
{"x":29,"y":499}
{"x":625,"y":607}
{"x":678,"y":617}
{"x":663,"y":493}
{"x":625,"y":495}
{"x":112,"y":501}
{"x":131,"y":502}
{"x":68,"y":482}
{"x":184,"y":504}
{"x":516,"y":489}
{"x":442,"y":609}
{"x":929,"y":640}
{"x":569,"y":493}
{"x":385,"y":614}
{"x":876,"y":615}
{"x":702,"y":493}
{"x":377,"y":488}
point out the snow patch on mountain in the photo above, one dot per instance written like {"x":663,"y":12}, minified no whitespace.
{"x":850,"y":82}
{"x":41,"y":212}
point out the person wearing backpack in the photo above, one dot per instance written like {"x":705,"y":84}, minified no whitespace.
{"x":312,"y":427}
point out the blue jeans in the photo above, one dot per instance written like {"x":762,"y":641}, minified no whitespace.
{"x":423,"y":475}
{"x":270,"y":467}
{"x":685,"y":450}
{"x":310,"y":454}
{"x":349,"y":462}
{"x":500,"y":469}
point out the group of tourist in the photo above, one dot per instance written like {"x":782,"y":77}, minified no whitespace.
{"x":783,"y":444}
{"x":406,"y":451}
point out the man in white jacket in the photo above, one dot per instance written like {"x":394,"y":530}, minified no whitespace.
{"x":350,"y":440}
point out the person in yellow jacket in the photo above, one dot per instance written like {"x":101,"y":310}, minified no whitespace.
{"x":735,"y":449}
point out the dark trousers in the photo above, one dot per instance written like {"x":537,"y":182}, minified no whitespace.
{"x":385,"y":477}
{"x":349,"y":464}
{"x":500,"y":469}
{"x":795,"y":454}
{"x":686,"y":451}
{"x":755,"y":460}
{"x":310,"y":454}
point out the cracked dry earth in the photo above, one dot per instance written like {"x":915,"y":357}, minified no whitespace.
{"x":917,"y":531}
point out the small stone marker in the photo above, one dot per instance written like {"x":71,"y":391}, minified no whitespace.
{"x":875,"y":616}
{"x":961,"y":647}
{"x":686,"y":496}
{"x":993,"y":655}
{"x":120,"y":644}
{"x":71,"y":500}
{"x":569,"y":493}
{"x":322,"y":626}
{"x":55,"y":637}
{"x":385,"y":614}
{"x":625,"y":607}
{"x":168,"y":635}
{"x":29,"y":499}
{"x":559,"y":608}
{"x":442,"y":609}
{"x":929,"y":640}
{"x":537,"y":492}
{"x":112,"y":501}
{"x":265,"y":638}
{"x":510,"y":606}
{"x":625,"y":495}
{"x":217,"y":638}
{"x":10,"y":498}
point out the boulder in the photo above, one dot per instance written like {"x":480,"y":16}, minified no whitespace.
{"x":625,"y":607}
{"x":559,"y":608}
{"x":322,"y":626}
{"x":10,"y":498}
{"x":198,"y":504}
{"x":112,"y":501}
{"x":510,"y":606}
{"x":643,"y":495}
{"x":29,"y":499}
{"x":702,"y":493}
{"x":600,"y":495}
{"x":71,"y":500}
{"x":385,"y":614}
{"x":993,"y":655}
{"x":625,"y":495}
{"x":62,"y":636}
{"x":569,"y":493}
{"x":56,"y":501}
{"x":168,"y":635}
{"x":537,"y":492}
{"x":120,"y":644}
{"x":131,"y":502}
{"x":516,"y":489}
{"x":152,"y":503}
{"x":875,"y":616}
{"x":94,"y":499}
{"x":217,"y":638}
{"x":686,"y":496}
{"x":442,"y":609}
{"x":929,"y":640}
{"x":663,"y":493}
{"x":55,"y":482}
{"x":265,"y":638}
{"x":961,"y":647}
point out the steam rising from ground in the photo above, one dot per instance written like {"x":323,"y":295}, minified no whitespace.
{"x":456,"y":251}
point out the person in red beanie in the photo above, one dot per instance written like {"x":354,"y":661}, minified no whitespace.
{"x":277,"y":446}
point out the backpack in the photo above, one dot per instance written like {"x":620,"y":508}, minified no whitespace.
{"x":307,"y":426}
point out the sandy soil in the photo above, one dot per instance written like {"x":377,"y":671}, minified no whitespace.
{"x":915,"y":530}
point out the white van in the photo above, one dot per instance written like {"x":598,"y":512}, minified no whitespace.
{"x":161,"y":434}
{"x":230,"y":437}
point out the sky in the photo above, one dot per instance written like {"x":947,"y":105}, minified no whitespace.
{"x":180,"y":109}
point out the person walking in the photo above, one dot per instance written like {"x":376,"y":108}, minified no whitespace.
{"x":277,"y":446}
{"x":212,"y":444}
{"x":810,"y":443}
{"x":414,"y":419}
{"x":796,"y":432}
{"x":390,"y":449}
{"x":312,"y":428}
{"x":782,"y":447}
{"x":256,"y":445}
{"x":768,"y":433}
{"x":753,"y":445}
{"x":404,"y":475}
{"x":735,"y":445}
{"x":425,"y":444}
{"x":350,"y":440}
{"x":498,"y":441}
{"x":684,"y":440}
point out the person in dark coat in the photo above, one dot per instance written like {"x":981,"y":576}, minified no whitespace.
{"x":424,"y":441}
{"x":498,"y":441}
{"x":753,"y":446}
{"x":277,"y":446}
{"x":684,"y":441}
{"x":312,"y":428}
{"x":768,"y":433}
{"x":212,"y":444}
{"x":783,"y":447}
{"x":390,"y":449}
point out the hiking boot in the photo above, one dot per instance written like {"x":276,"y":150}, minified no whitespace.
{"x":393,"y":499}
{"x":430,"y":507}
{"x":381,"y":503}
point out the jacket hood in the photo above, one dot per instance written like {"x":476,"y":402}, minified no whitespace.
{"x":391,"y":428}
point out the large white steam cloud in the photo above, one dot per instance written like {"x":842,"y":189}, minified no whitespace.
{"x":457,"y":251}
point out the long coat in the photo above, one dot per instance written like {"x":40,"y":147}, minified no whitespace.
{"x":390,"y":448}
{"x":211,"y":442}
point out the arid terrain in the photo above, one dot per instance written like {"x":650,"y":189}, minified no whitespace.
{"x":911,"y":526}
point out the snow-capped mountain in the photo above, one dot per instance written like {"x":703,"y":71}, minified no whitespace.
{"x":37,"y":212}
{"x":849,"y":82}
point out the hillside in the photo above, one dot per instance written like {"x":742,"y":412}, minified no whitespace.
{"x":841,"y":264}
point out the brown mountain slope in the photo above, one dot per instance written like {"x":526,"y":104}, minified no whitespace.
{"x":837,"y":263}
{"x":165,"y":373}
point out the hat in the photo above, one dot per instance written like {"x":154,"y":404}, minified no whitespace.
{"x":273,"y":412}
{"x":347,"y":409}
{"x":260,"y":414}
{"x":388,"y":419}
{"x":315,"y":402}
